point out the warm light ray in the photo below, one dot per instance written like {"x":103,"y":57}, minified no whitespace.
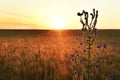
{"x":57,"y":23}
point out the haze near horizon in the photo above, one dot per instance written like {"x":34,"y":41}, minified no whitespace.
{"x":56,"y":14}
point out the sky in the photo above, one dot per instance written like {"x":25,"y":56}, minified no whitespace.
{"x":50,"y":14}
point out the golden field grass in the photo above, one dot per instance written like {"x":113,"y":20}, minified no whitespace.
{"x":45,"y":55}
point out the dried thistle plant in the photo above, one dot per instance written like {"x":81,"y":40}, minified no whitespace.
{"x":90,"y":31}
{"x":83,"y":65}
{"x":89,"y":63}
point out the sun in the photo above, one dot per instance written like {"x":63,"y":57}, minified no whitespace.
{"x":57,"y":23}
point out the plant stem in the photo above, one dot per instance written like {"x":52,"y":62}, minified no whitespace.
{"x":89,"y":47}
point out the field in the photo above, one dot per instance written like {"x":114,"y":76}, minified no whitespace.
{"x":45,"y":54}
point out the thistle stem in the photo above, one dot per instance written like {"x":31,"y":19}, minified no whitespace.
{"x":89,"y":47}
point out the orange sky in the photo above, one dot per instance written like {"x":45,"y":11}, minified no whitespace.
{"x":47,"y":14}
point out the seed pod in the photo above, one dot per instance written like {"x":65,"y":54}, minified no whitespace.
{"x":92,"y":15}
{"x":94,"y":12}
{"x":79,"y":14}
{"x":86,"y":17}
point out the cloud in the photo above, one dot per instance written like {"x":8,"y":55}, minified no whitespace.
{"x":15,"y":14}
{"x":12,"y":20}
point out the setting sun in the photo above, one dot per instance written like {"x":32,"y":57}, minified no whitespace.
{"x":57,"y":23}
{"x":56,"y":14}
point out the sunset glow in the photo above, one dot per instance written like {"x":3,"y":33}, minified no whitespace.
{"x":57,"y":23}
{"x":39,"y":14}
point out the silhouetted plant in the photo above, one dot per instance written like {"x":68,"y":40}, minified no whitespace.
{"x":90,"y":31}
{"x":86,"y":66}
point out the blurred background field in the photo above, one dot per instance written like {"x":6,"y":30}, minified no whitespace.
{"x":44,"y":54}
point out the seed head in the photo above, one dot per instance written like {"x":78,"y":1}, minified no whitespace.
{"x":80,"y":73}
{"x":77,"y":38}
{"x":98,"y":46}
{"x":81,"y":43}
{"x":105,"y":45}
{"x":79,"y":14}
{"x":92,"y":62}
{"x":72,"y":55}
{"x":84,"y":50}
{"x":111,"y":76}
{"x":74,"y":72}
{"x":95,"y":30}
{"x":97,"y":64}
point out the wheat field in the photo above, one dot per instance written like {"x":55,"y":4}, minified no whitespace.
{"x":45,"y":54}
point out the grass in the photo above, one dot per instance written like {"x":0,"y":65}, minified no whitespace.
{"x":45,"y":55}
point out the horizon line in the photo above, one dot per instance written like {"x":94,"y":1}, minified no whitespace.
{"x":47,"y":29}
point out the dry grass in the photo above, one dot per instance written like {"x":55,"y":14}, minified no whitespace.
{"x":47,"y":57}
